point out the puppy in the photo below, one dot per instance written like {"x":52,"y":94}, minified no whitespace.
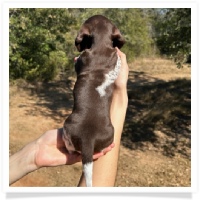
{"x":89,"y":129}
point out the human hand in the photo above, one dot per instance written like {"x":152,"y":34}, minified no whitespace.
{"x":51,"y":150}
{"x":121,"y":81}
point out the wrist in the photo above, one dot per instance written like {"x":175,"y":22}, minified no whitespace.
{"x":119,"y":105}
{"x":30,"y":150}
{"x":22,"y":162}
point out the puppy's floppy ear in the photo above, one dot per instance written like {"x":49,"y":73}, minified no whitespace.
{"x":84,"y":39}
{"x":117,"y":38}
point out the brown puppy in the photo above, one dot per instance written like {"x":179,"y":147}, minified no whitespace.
{"x":88,"y":129}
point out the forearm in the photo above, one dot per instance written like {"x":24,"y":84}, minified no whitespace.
{"x":105,"y":168}
{"x":22,"y":162}
{"x":118,"y":109}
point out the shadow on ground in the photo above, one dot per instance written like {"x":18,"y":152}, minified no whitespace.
{"x":158,"y":115}
{"x":54,"y":99}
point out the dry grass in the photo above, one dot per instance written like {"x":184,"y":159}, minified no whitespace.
{"x":160,"y":68}
{"x":155,"y":147}
{"x":157,"y":128}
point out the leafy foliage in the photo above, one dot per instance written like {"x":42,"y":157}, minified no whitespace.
{"x":42,"y":40}
{"x":173,"y":34}
{"x":36,"y":37}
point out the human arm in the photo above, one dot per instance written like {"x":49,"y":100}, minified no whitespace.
{"x":48,"y":150}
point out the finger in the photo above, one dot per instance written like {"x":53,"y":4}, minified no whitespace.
{"x":121,"y":55}
{"x":106,"y":150}
{"x":103,"y":152}
{"x":97,"y":155}
{"x":118,"y":51}
{"x":75,"y":59}
{"x":112,"y":145}
{"x":109,"y":148}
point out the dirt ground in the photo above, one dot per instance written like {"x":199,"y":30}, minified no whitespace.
{"x":156,"y":141}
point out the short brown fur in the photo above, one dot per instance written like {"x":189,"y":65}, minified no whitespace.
{"x":89,"y":126}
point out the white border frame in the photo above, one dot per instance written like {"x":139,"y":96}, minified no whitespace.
{"x":5,"y":93}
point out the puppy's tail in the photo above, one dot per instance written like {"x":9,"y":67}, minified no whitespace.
{"x":87,"y":160}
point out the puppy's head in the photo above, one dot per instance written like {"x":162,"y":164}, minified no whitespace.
{"x":98,"y":26}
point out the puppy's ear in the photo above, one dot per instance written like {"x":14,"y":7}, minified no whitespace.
{"x":84,"y":39}
{"x":117,"y":38}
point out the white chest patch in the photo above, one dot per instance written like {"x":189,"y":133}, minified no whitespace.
{"x":87,"y":169}
{"x":109,"y":79}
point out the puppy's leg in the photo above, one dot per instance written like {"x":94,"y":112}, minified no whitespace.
{"x":87,"y":169}
{"x":87,"y":160}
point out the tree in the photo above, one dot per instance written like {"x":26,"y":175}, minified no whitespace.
{"x":134,"y":26}
{"x":36,"y":42}
{"x":173,"y":33}
{"x":42,"y":40}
